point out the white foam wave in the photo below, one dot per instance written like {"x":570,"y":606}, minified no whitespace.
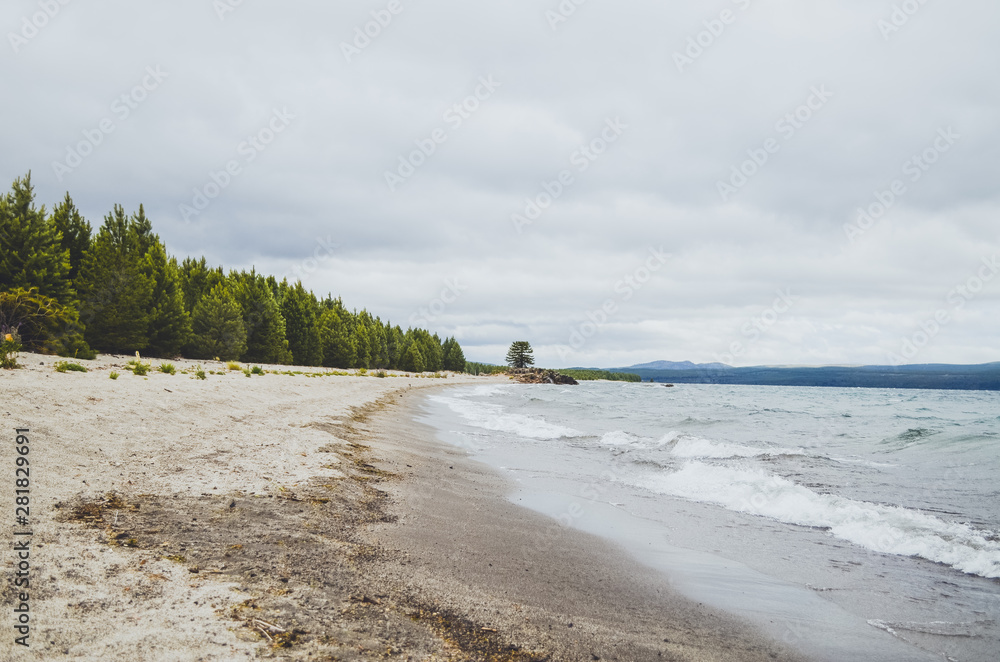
{"x":495,"y":417}
{"x":620,"y":439}
{"x":695,"y":447}
{"x":885,"y":529}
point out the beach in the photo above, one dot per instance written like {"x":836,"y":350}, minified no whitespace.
{"x":303,"y":517}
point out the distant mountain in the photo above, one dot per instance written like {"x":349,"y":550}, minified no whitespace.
{"x":677,"y":365}
{"x":985,"y":377}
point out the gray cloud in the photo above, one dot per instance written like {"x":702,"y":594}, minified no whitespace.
{"x":322,"y":178}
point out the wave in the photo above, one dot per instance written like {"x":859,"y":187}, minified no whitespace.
{"x":688,"y":447}
{"x":881,"y":528}
{"x":496,"y":418}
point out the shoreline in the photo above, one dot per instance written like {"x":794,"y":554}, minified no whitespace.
{"x":276,"y":517}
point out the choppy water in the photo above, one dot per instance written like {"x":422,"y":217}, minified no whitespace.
{"x":856,"y":524}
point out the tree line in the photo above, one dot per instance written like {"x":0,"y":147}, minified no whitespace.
{"x":67,"y":290}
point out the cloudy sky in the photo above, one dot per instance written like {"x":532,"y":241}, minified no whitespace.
{"x":616,"y":182}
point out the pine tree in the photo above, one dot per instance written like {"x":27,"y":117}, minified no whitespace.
{"x":31,"y":254}
{"x":266,"y":341}
{"x":218,"y":328}
{"x":116,"y":288}
{"x":75,"y":233}
{"x":413,"y":359}
{"x":520,"y":355}
{"x":197,"y":280}
{"x":169,"y":323}
{"x":454,"y":358}
{"x":301,"y":312}
{"x":340,"y":348}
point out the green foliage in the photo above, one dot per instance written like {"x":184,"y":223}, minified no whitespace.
{"x":381,"y":374}
{"x":199,"y":373}
{"x":65,"y":289}
{"x":113,"y":375}
{"x":218,"y":328}
{"x":590,"y":375}
{"x":31,"y":255}
{"x":262,"y":318}
{"x":139,"y":368}
{"x":301,"y":312}
{"x":169,"y":322}
{"x":42,"y":323}
{"x":520,"y":355}
{"x":75,"y":234}
{"x":233,"y":366}
{"x":413,"y":359}
{"x":116,"y":290}
{"x":10,"y":347}
{"x":453,"y":356}
{"x":473,"y":368}
{"x":167,"y":368}
{"x":257,"y":370}
{"x":66,"y":366}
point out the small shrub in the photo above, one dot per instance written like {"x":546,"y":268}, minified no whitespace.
{"x":10,"y":347}
{"x":140,"y":369}
{"x":168,"y":368}
{"x":113,"y":375}
{"x":247,"y":372}
{"x":233,"y":366}
{"x":382,"y":374}
{"x":199,"y":373}
{"x":362,"y":371}
{"x":66,"y":366}
{"x":257,"y":370}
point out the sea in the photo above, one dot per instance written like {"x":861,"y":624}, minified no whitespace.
{"x":852,"y":524}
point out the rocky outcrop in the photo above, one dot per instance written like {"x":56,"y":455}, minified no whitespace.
{"x":539,"y":376}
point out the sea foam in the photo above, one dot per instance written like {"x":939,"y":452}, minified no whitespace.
{"x":881,"y":528}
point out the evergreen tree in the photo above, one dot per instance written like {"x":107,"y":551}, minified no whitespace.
{"x":454,"y":358}
{"x":75,"y":233}
{"x":169,"y":323}
{"x":301,"y":312}
{"x":116,"y":288}
{"x":197,"y":280}
{"x":413,"y":359}
{"x":266,"y":341}
{"x":520,"y":355}
{"x":31,"y":252}
{"x":340,"y":348}
{"x":218,"y":328}
{"x":395,"y":343}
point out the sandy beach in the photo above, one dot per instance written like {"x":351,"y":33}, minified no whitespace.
{"x":302,"y":517}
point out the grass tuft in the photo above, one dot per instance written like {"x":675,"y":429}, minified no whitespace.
{"x":168,"y":368}
{"x":66,"y":366}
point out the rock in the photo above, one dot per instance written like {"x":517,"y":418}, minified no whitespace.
{"x":539,"y":376}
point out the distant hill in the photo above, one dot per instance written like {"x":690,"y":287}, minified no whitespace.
{"x":982,"y":377}
{"x":676,"y":365}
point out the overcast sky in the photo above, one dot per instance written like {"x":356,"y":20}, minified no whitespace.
{"x":567,"y":175}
